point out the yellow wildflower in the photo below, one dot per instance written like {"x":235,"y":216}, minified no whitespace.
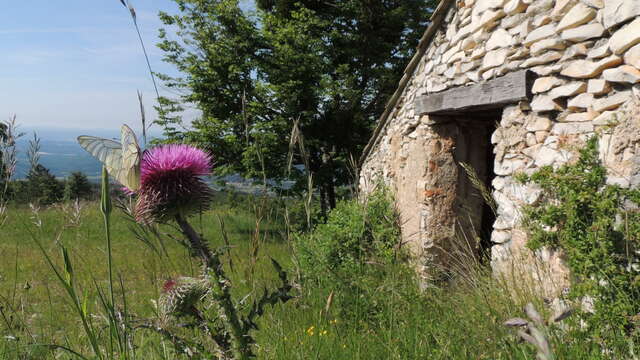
{"x":310,"y":330}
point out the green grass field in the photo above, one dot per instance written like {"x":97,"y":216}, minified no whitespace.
{"x":33,"y":301}
{"x":388,"y":318}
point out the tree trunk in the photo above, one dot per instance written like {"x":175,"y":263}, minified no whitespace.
{"x":327,"y":179}
{"x":323,"y":202}
{"x":331,"y":193}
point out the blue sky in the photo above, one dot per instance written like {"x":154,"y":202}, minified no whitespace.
{"x":77,"y":63}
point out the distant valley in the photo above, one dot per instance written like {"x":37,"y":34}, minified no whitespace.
{"x":60,"y":152}
{"x":62,"y":155}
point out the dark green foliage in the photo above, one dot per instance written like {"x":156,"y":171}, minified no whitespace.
{"x":329,"y":65}
{"x":598,"y":227}
{"x":353,"y":251}
{"x":77,"y":187}
{"x":355,"y":233}
{"x":42,"y":187}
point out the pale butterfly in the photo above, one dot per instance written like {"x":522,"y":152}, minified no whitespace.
{"x":122,"y":159}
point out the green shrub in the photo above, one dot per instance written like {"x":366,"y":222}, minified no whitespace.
{"x":353,"y":252}
{"x":356,"y":233}
{"x":598,"y":227}
{"x":43,"y":187}
{"x":77,"y":187}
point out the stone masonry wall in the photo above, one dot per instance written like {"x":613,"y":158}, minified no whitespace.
{"x":586,"y":54}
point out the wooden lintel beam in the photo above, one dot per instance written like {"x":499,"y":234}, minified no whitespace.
{"x":510,"y":88}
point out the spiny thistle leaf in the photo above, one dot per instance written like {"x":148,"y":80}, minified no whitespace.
{"x":179,"y":296}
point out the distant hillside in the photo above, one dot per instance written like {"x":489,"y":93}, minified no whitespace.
{"x":61,"y":154}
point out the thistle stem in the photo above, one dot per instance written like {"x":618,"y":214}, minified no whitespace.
{"x":197,"y":245}
{"x":213,"y":267}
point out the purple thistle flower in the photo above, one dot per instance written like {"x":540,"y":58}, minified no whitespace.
{"x":171,"y":183}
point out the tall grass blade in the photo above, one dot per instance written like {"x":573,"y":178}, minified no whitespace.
{"x":143,"y":118}
{"x":105,"y":208}
{"x":71,"y":293}
{"x":132,"y":11}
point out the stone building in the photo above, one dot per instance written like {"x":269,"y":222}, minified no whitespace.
{"x":506,"y":86}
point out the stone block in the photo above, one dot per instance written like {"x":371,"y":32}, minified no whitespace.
{"x":570,"y":89}
{"x":580,"y":102}
{"x":494,"y":58}
{"x":468,"y":44}
{"x":606,"y":118}
{"x":632,"y":56}
{"x":576,"y":50}
{"x":512,"y":21}
{"x":626,"y":37}
{"x":541,"y":136}
{"x":622,"y":74}
{"x":515,"y":7}
{"x":468,"y":66}
{"x":584,"y":32}
{"x":546,"y":70}
{"x":572,"y":128}
{"x":543,"y":103}
{"x":538,"y":123}
{"x":545,"y":84}
{"x":598,"y":87}
{"x":561,"y":8}
{"x":599,"y":52}
{"x":578,"y":15}
{"x":500,"y":236}
{"x":581,"y":117}
{"x":477,"y":53}
{"x":541,"y":20}
{"x":541,"y":46}
{"x":584,"y":69}
{"x":487,"y":20}
{"x":539,"y":6}
{"x":540,"y":33}
{"x":484,"y":5}
{"x":618,"y":11}
{"x":542,"y":59}
{"x":547,"y":156}
{"x":500,"y":38}
{"x":612,"y":102}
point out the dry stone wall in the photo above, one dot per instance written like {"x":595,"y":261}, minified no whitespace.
{"x":586,"y":55}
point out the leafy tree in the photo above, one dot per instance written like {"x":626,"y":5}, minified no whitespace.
{"x":329,"y":66}
{"x":43,"y":187}
{"x":77,"y":187}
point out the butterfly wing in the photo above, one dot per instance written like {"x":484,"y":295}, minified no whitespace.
{"x":130,"y":174}
{"x":109,"y":152}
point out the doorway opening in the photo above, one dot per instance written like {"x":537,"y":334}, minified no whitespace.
{"x":475,"y":158}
